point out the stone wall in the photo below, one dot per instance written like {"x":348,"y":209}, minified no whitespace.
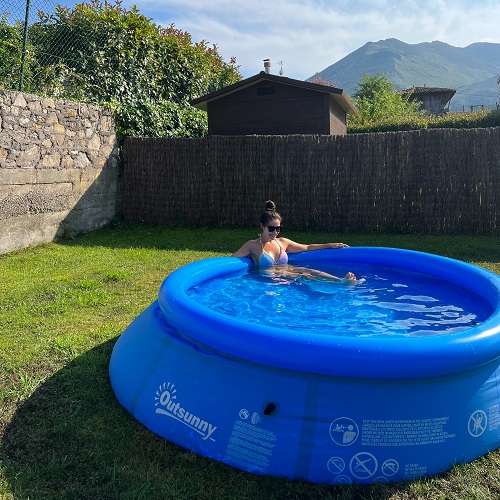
{"x":59,"y":169}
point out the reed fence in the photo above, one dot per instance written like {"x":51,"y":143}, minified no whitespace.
{"x":444,"y":181}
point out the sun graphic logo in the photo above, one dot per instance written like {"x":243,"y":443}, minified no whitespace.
{"x":165,"y":393}
{"x":166,"y":404}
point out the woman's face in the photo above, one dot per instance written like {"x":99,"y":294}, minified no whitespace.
{"x":275,"y":223}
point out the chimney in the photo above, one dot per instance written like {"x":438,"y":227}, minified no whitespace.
{"x":267,"y":66}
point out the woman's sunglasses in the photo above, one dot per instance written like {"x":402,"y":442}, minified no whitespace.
{"x":271,"y":229}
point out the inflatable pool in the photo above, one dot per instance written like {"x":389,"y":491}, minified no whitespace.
{"x":354,"y":405}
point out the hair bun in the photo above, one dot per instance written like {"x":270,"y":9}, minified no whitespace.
{"x":270,"y":206}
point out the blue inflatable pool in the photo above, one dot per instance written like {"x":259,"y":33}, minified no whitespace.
{"x":323,"y":408}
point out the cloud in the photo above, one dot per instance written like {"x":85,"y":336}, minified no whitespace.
{"x":310,"y":35}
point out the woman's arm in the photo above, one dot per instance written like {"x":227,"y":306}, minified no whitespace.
{"x":293,"y":247}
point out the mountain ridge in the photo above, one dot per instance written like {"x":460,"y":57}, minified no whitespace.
{"x":472,"y":71}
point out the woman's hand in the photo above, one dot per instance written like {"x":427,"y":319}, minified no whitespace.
{"x":337,"y":245}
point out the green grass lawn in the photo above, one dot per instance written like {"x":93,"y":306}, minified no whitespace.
{"x":64,"y":435}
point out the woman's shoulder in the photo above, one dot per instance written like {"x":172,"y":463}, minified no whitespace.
{"x":250,"y":247}
{"x":255,"y":243}
{"x":284,"y":242}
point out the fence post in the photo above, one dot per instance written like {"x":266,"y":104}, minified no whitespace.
{"x":25,"y":36}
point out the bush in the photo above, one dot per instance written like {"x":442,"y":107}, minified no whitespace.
{"x":104,"y":54}
{"x":473,"y":119}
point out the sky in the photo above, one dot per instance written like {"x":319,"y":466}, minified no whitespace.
{"x":310,"y":35}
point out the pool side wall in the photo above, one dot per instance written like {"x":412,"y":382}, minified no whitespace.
{"x":357,"y":423}
{"x":323,"y":428}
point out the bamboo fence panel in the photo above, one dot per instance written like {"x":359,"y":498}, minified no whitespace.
{"x":419,"y":182}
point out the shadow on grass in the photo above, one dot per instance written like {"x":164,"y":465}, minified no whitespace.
{"x":71,"y":439}
{"x":124,"y":235}
{"x":228,"y":240}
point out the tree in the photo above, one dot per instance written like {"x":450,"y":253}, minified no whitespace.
{"x":147,"y":74}
{"x":377,"y":101}
{"x":10,"y":53}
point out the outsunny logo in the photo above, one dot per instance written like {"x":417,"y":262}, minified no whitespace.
{"x":166,"y":405}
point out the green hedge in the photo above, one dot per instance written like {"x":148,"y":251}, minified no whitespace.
{"x":474,"y":119}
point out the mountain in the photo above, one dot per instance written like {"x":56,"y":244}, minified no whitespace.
{"x":472,"y":71}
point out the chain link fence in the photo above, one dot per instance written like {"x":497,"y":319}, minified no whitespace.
{"x":99,"y":52}
{"x":34,"y":55}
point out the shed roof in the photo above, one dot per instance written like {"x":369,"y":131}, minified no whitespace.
{"x":338,"y":95}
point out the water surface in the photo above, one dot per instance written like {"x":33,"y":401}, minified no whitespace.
{"x":390,"y":302}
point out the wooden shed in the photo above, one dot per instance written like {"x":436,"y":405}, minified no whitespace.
{"x":267,"y":104}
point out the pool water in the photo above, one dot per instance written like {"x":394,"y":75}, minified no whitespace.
{"x":391,"y":301}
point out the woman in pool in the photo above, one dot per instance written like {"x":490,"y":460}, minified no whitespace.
{"x":269,"y":251}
